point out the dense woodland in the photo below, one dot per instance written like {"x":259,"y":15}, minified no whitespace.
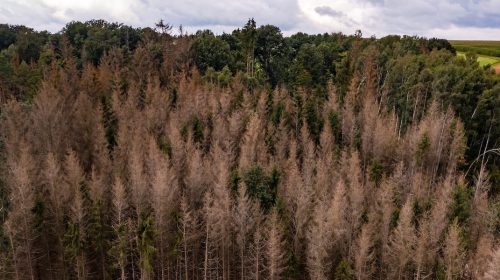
{"x":151,"y":153}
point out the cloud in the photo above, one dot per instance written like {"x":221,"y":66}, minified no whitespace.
{"x":338,"y":15}
{"x":443,"y":18}
{"x":418,"y":17}
{"x":325,"y":10}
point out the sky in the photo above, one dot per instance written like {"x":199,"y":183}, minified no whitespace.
{"x":450,"y":19}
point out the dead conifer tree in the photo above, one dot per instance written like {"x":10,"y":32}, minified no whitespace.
{"x":482,"y":255}
{"x":493,"y":272}
{"x":250,"y":145}
{"x":136,"y":175}
{"x":275,"y":248}
{"x":348,"y":114}
{"x":187,"y":230}
{"x":298,"y":197}
{"x":221,"y":208}
{"x":76,"y":233}
{"x":19,"y":223}
{"x":402,"y":242}
{"x":244,"y":222}
{"x":327,"y":232}
{"x":480,"y":219}
{"x":385,"y":208}
{"x":319,"y":238}
{"x":364,"y":254}
{"x":453,"y":252}
{"x":356,"y":195}
{"x":210,"y":259}
{"x":369,"y":117}
{"x":338,"y":218}
{"x":120,"y":227}
{"x":163,"y":189}
{"x":257,"y":253}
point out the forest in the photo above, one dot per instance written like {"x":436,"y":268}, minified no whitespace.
{"x":152,"y":153}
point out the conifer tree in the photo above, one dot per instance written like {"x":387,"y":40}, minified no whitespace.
{"x":453,"y":252}
{"x":120,"y":227}
{"x":275,"y":248}
{"x":76,"y":233}
{"x":493,"y":271}
{"x":244,"y":222}
{"x":19,"y":223}
{"x":402,"y":241}
{"x":364,"y":254}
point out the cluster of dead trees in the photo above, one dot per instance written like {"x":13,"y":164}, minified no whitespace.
{"x":110,"y":173}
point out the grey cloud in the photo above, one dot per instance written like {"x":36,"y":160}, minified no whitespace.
{"x":282,"y":13}
{"x":338,"y":15}
{"x":327,"y":11}
{"x":413,"y":17}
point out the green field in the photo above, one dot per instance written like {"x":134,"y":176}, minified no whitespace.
{"x":488,"y":52}
{"x":487,"y":48}
{"x":483,"y":59}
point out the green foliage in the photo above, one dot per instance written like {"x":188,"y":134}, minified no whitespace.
{"x":271,"y":51}
{"x":197,"y":128}
{"x":236,"y":101}
{"x":376,"y":170}
{"x":173,"y":97}
{"x":261,"y":186}
{"x":146,"y":237}
{"x":422,"y":148}
{"x":74,"y":240}
{"x":342,"y":77}
{"x":277,"y":113}
{"x":8,"y":35}
{"x":496,"y":216}
{"x":38,"y":211}
{"x":110,"y":122}
{"x":99,"y":235}
{"x":210,"y":51}
{"x":441,"y":272}
{"x":166,"y":148}
{"x":224,"y":77}
{"x":495,"y":180}
{"x":92,"y":39}
{"x":308,"y":68}
{"x":344,"y":271}
{"x":248,"y":36}
{"x":313,"y":119}
{"x":394,"y":218}
{"x":461,"y":205}
{"x":118,"y":248}
{"x":234,"y":181}
{"x":29,"y":45}
{"x":18,"y":78}
{"x":420,"y":207}
{"x":335,"y":125}
{"x":490,"y":48}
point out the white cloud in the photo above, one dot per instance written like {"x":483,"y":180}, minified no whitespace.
{"x":465,"y":19}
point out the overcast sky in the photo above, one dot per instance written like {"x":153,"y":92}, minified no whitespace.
{"x":451,"y":19}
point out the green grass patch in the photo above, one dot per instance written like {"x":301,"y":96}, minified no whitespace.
{"x":483,"y":60}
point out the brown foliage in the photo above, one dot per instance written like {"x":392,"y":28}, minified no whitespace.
{"x":104,"y":146}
